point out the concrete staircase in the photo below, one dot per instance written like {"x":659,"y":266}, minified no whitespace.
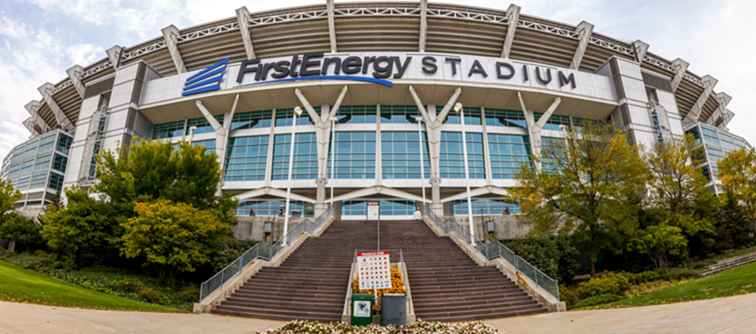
{"x":310,"y":284}
{"x":446,"y":284}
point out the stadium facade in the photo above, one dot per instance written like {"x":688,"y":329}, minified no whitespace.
{"x":379,"y":85}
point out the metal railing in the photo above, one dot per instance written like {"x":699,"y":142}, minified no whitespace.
{"x":264,"y":250}
{"x":494,"y":249}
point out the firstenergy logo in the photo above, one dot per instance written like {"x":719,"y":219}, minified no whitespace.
{"x":314,"y":66}
{"x":207,"y":80}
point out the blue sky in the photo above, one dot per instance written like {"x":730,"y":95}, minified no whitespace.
{"x":40,"y":39}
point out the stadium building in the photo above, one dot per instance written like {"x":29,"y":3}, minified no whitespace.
{"x":389,"y":104}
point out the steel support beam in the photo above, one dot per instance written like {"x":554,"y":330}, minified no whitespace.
{"x":513,"y":16}
{"x":434,"y":121}
{"x":378,"y":190}
{"x":242,"y":16}
{"x":727,"y":118}
{"x":171,"y":35}
{"x":423,"y":25}
{"x":114,"y":55}
{"x":32,"y":107}
{"x":476,"y":192}
{"x":584,"y":30}
{"x":270,"y":191}
{"x":680,"y":67}
{"x":695,"y":112}
{"x":724,"y":100}
{"x":208,"y":116}
{"x":330,"y":7}
{"x":46,"y":90}
{"x":535,"y":127}
{"x":74,"y":74}
{"x":640,"y":48}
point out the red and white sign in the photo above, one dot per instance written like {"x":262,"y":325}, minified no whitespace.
{"x":374,"y":270}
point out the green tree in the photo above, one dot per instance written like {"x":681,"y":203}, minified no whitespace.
{"x":737,"y":172}
{"x":22,"y":232}
{"x":8,"y":197}
{"x":592,"y":191}
{"x":173,"y":236}
{"x":155,"y":170}
{"x":662,"y":243}
{"x":677,"y":192}
{"x":85,"y":232}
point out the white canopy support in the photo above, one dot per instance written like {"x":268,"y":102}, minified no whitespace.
{"x":208,"y":116}
{"x":513,"y":16}
{"x":476,"y":192}
{"x":423,"y":25}
{"x":270,"y":191}
{"x":584,"y":30}
{"x":378,"y":190}
{"x":242,"y":16}
{"x":171,"y":35}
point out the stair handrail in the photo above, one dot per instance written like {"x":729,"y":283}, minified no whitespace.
{"x":261,"y":250}
{"x":495,"y":249}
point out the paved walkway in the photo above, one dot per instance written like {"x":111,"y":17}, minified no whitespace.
{"x":722,"y":316}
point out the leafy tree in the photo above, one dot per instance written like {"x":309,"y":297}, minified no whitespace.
{"x":85,"y":232}
{"x":173,"y":236}
{"x":662,"y":242}
{"x":155,"y":170}
{"x":20,"y":231}
{"x":677,"y":192}
{"x":8,"y":197}
{"x":592,"y":191}
{"x":737,"y":172}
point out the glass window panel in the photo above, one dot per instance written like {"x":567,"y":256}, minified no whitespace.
{"x":252,"y":120}
{"x":485,"y":206}
{"x":355,"y":155}
{"x":285,"y":117}
{"x":168,"y":129}
{"x":357,"y":114}
{"x":452,"y":156}
{"x":305,"y":156}
{"x":246,"y":159}
{"x":399,"y":114}
{"x":508,"y":153}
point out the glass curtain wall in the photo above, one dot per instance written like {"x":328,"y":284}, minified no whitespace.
{"x":305,"y":157}
{"x":400,"y":155}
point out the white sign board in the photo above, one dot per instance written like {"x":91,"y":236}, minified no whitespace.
{"x":374,"y":270}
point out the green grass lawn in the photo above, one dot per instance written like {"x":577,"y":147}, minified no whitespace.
{"x":732,"y":282}
{"x":20,"y":285}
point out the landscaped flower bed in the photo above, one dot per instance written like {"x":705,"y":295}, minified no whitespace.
{"x":312,"y":327}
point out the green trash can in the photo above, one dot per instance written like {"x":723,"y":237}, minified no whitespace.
{"x":362,"y":310}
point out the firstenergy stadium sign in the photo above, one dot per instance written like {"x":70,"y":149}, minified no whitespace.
{"x":382,"y":69}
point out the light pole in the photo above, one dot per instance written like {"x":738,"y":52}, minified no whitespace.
{"x":297,"y":112}
{"x":419,"y":120}
{"x":458,"y":108}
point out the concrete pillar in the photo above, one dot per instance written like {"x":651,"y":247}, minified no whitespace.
{"x":633,"y":114}
{"x":486,"y":150}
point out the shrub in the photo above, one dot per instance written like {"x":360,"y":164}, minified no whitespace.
{"x":24,"y":232}
{"x":86,"y":232}
{"x":609,"y":283}
{"x":597,"y":300}
{"x":173,"y":237}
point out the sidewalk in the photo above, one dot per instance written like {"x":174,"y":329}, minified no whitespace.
{"x":728,"y":315}
{"x":723,"y":316}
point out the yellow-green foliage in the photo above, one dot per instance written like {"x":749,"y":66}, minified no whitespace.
{"x":173,"y":236}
